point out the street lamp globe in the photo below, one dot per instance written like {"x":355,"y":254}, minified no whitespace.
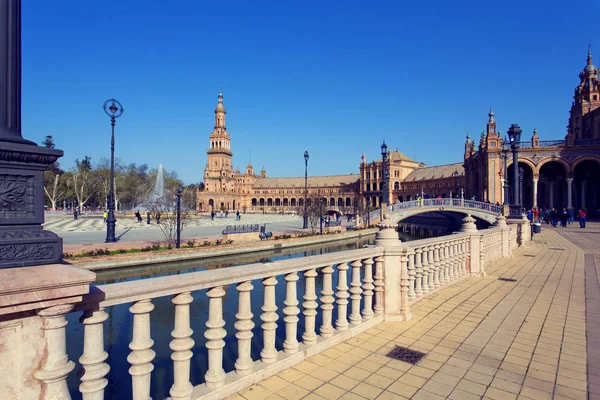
{"x":384,"y":149}
{"x":306,"y":156}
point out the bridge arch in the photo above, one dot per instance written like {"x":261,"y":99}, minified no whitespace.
{"x":400,"y":211}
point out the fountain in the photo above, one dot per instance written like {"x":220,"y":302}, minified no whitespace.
{"x":159,"y":186}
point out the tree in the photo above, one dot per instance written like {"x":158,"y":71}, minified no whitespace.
{"x":48,"y":142}
{"x":54,"y":187}
{"x":314,"y":211}
{"x":166,"y":206}
{"x":80,"y":176}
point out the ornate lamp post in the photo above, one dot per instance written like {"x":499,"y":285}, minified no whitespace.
{"x":305,"y":224}
{"x":514,"y":137}
{"x":114,"y":110}
{"x":505,"y":149}
{"x":384,"y":157}
{"x":178,"y":242}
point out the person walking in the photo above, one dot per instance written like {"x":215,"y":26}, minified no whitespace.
{"x":553,"y":217}
{"x":75,"y":214}
{"x":582,"y":215}
{"x":571,"y":215}
{"x":157,"y":218}
{"x":148,"y":218}
{"x":564,"y":218}
{"x":105,"y":215}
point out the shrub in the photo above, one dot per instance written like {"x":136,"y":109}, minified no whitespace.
{"x":191,"y":243}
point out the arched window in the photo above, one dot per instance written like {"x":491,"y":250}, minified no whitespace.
{"x":396,"y":185}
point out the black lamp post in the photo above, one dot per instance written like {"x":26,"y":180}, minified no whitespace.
{"x":514,"y":137}
{"x":521,"y":172}
{"x":305,"y":224}
{"x":320,"y":212}
{"x":114,"y":110}
{"x":384,"y":157}
{"x":178,"y":242}
{"x":505,"y":149}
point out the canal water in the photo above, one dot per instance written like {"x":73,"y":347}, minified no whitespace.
{"x":118,"y":327}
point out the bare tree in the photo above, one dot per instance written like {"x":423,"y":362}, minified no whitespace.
{"x":81,"y":181}
{"x":53,"y":187}
{"x":166,"y":208}
{"x":314,"y":211}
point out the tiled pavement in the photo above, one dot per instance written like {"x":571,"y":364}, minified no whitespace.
{"x":484,"y":338}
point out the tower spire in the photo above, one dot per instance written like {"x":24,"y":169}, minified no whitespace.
{"x":589,"y":56}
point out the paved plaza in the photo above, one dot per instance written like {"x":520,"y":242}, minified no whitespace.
{"x":535,"y":338}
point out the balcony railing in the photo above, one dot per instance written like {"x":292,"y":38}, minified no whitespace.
{"x":587,"y":142}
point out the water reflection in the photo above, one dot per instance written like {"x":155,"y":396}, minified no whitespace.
{"x":117,"y":329}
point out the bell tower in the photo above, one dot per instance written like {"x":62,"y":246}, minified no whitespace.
{"x":218,"y":174}
{"x":585,"y":100}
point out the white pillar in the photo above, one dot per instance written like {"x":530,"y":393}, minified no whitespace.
{"x":583,"y":194}
{"x":327,"y":301}
{"x":535,"y":191}
{"x":141,"y":355}
{"x":309,"y":337}
{"x":551,"y":194}
{"x":244,"y":326}
{"x":215,"y":375}
{"x":367,"y":287}
{"x":94,"y":368}
{"x":182,"y":345}
{"x":502,"y":191}
{"x":570,"y":192}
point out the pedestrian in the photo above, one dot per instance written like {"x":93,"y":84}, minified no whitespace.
{"x":148,"y":218}
{"x":157,"y":218}
{"x":582,"y":215}
{"x":212,"y":215}
{"x":563,"y":218}
{"x":530,"y":215}
{"x":138,"y":216}
{"x":105,"y":216}
{"x":237,"y":215}
{"x":553,"y":217}
{"x":571,"y":215}
{"x":75,"y":214}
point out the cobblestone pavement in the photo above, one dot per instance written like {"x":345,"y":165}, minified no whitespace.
{"x":484,"y":338}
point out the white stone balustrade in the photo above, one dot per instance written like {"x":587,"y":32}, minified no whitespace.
{"x":384,"y":280}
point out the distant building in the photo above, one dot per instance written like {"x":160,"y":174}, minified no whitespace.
{"x":555,"y":173}
{"x":228,"y":189}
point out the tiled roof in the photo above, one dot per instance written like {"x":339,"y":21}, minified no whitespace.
{"x":441,"y":171}
{"x":313,"y":181}
{"x":397,"y":156}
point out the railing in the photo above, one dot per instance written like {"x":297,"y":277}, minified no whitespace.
{"x":552,"y":143}
{"x":434,"y":263}
{"x":587,"y":142}
{"x":444,"y":202}
{"x":247,"y":228}
{"x":513,"y":239}
{"x":491,"y":245}
{"x":526,"y":145}
{"x":359,"y":306}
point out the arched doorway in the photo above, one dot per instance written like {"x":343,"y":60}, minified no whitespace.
{"x":526,"y":182}
{"x":211,"y":205}
{"x":277,"y":202}
{"x":587,"y":187}
{"x":552,"y":186}
{"x":262,"y":202}
{"x":254,"y":202}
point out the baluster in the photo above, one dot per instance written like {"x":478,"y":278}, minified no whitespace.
{"x":410,"y":271}
{"x":437,"y":264}
{"x":291,"y":311}
{"x":141,"y":355}
{"x":341,"y":324}
{"x":444,"y":254}
{"x":309,"y":337}
{"x":367,"y":287}
{"x":355,"y":292}
{"x":327,"y":301}
{"x":430,"y":257}
{"x":425,"y":268}
{"x":442,"y":270}
{"x":458,"y":256}
{"x":181,"y":345}
{"x":404,"y":307}
{"x":418,"y":272}
{"x":93,"y":368}
{"x":461,"y":259}
{"x":244,"y":325}
{"x":450,"y":255}
{"x":269,"y":317}
{"x":379,"y":286}
{"x":56,"y":365}
{"x":215,"y":376}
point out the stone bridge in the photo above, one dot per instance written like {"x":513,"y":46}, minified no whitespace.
{"x":399,"y":211}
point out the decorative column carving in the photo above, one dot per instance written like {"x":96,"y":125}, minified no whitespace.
{"x":327,"y":302}
{"x":367,"y":287}
{"x":93,"y":366}
{"x":56,"y":365}
{"x":379,"y":286}
{"x":309,"y":337}
{"x":291,"y":311}
{"x":181,"y":345}
{"x":269,"y":317}
{"x":141,"y":355}
{"x":355,"y":293}
{"x":341,"y":324}
{"x":215,"y":375}
{"x":244,"y":326}
{"x":404,"y":307}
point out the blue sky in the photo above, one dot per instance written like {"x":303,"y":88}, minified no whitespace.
{"x":334,"y":78}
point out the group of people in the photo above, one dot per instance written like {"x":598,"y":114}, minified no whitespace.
{"x":238,"y":216}
{"x":554,"y":216}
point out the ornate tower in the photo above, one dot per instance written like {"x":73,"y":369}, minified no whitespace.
{"x":218,"y":173}
{"x":585,"y":100}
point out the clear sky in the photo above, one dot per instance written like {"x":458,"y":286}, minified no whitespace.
{"x":331,"y":77}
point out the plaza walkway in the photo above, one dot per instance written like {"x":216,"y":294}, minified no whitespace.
{"x":535,"y":338}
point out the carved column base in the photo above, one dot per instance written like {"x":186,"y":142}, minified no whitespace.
{"x":22,"y":245}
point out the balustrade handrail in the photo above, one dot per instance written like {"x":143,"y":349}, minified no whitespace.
{"x":443,"y":202}
{"x":126,"y":292}
{"x":552,"y":143}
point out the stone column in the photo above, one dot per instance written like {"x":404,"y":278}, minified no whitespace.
{"x":535,"y":191}
{"x":551,"y":194}
{"x":387,"y":237}
{"x":570,"y":192}
{"x":502,"y":191}
{"x":22,"y":163}
{"x":583,"y":183}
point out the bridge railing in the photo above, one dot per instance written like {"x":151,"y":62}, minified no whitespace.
{"x":440,"y":203}
{"x":383,"y":282}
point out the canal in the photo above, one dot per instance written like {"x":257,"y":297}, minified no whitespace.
{"x":117,"y":329}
